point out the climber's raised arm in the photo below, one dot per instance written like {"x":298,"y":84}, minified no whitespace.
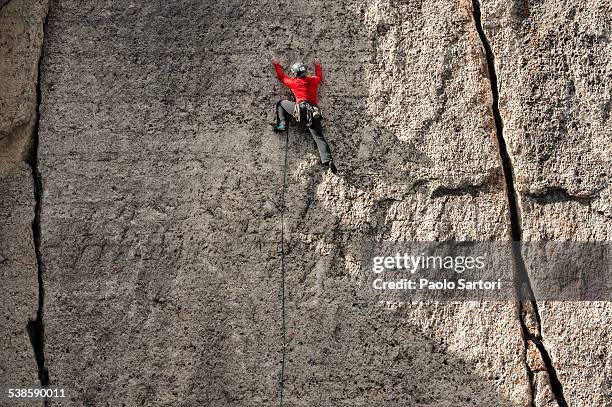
{"x":279,"y":71}
{"x":305,"y":109}
{"x":318,"y":70}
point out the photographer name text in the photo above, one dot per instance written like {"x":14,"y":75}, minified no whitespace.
{"x":419,"y":264}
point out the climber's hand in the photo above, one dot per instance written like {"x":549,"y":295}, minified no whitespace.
{"x":275,"y":60}
{"x":317,"y":61}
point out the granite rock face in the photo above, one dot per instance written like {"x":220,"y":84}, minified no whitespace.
{"x":21,"y":37}
{"x":162,"y":190}
{"x":552,"y":59}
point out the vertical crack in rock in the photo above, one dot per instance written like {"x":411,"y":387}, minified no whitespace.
{"x":523,"y":285}
{"x":36,"y":328}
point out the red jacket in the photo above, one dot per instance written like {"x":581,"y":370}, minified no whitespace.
{"x":305,"y":88}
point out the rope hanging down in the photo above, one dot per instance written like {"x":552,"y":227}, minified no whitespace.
{"x":282,"y":269}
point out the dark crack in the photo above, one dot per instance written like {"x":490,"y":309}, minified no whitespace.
{"x":458,"y":191}
{"x":467,"y":189}
{"x":489,"y":183}
{"x":524,"y":290}
{"x":555,"y":383}
{"x":558,"y":194}
{"x":36,"y":328}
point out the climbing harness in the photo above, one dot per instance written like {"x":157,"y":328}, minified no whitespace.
{"x":282,"y":269}
{"x":310,"y":112}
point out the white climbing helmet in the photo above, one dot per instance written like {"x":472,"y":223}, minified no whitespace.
{"x":298,"y":69}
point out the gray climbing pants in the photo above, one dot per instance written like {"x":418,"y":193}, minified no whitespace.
{"x":284,"y":107}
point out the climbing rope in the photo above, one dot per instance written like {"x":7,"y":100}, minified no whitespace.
{"x":282,"y":269}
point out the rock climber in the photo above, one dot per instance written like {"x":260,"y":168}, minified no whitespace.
{"x":304,"y":110}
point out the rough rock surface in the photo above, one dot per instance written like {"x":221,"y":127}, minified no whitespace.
{"x":162,"y":179}
{"x":21,"y":38}
{"x":160,"y":219}
{"x":18,"y":276}
{"x":553,"y":63}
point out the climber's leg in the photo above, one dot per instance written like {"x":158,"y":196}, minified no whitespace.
{"x":283,"y":107}
{"x":316,"y":130}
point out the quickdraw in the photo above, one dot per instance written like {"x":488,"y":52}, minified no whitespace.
{"x":309,"y":110}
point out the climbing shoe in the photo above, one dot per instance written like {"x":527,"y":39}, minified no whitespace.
{"x":332,"y":167}
{"x":279,"y":127}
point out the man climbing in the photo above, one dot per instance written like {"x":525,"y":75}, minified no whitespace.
{"x":304,"y":110}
